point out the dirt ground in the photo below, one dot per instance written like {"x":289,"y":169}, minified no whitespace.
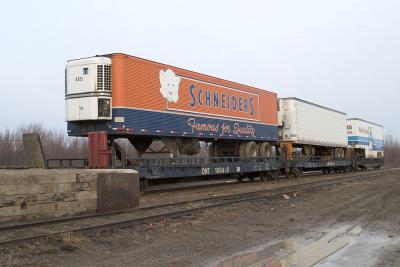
{"x":207,"y":238}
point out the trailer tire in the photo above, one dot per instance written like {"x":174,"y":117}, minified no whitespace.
{"x":265,"y":150}
{"x":251,"y":150}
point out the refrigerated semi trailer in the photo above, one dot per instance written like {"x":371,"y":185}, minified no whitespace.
{"x":143,"y":101}
{"x":310,"y":129}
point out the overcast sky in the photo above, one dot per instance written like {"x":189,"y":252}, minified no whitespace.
{"x":341,"y":54}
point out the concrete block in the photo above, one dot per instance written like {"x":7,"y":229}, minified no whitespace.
{"x":36,"y":176}
{"x":82,"y":186}
{"x":86,"y":177}
{"x":16,"y":200}
{"x":55,"y":178}
{"x":9,"y":177}
{"x":57,"y":188}
{"x":40,"y":193}
{"x":93,"y":186}
{"x":87,"y":205}
{"x":7,"y":190}
{"x":63,"y":196}
{"x":83,"y":195}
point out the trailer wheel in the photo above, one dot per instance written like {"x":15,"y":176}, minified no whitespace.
{"x":251,"y":150}
{"x":265,"y":150}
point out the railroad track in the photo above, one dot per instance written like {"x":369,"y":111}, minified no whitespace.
{"x":225,"y":183}
{"x":95,"y":223}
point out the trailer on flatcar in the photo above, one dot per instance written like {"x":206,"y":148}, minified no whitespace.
{"x":143,"y":101}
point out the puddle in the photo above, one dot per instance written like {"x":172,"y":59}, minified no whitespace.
{"x":265,"y":255}
{"x":344,"y":246}
{"x":361,"y":251}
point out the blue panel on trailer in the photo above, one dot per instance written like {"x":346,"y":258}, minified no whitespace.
{"x":145,"y":122}
{"x":376,"y":144}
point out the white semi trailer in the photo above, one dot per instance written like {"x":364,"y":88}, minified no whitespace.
{"x":310,"y":129}
{"x":365,"y":138}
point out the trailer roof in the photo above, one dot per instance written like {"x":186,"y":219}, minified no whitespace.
{"x":152,"y":61}
{"x":365,"y":121}
{"x":307,"y":102}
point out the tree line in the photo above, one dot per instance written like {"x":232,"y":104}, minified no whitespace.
{"x":55,"y":143}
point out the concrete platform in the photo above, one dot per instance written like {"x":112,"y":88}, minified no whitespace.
{"x":33,"y":194}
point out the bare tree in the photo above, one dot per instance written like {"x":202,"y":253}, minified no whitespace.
{"x":392,"y":151}
{"x":56,"y":144}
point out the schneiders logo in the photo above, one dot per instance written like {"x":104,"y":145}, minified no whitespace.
{"x":169,"y":89}
{"x":169,"y":85}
